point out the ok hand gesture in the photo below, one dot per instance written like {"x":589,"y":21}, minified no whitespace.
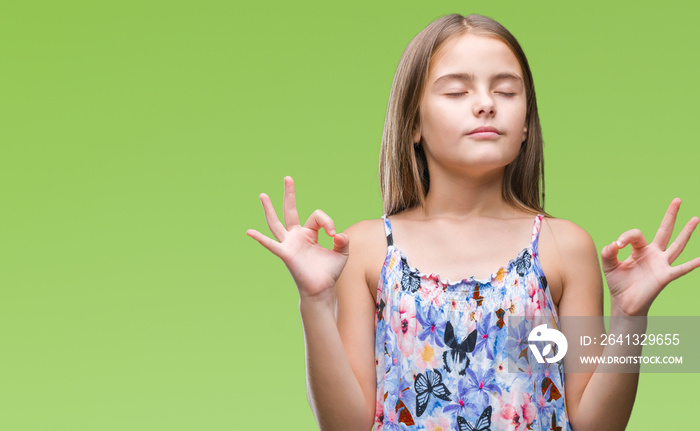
{"x":636,"y":282}
{"x":314,"y":268}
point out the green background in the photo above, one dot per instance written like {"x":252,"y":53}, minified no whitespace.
{"x":136,"y":138}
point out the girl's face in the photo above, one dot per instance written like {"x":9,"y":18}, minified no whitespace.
{"x":475,"y":82}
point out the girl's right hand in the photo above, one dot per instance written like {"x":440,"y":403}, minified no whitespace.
{"x":314,"y":268}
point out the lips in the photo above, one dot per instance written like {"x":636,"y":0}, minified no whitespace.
{"x":485,"y":129}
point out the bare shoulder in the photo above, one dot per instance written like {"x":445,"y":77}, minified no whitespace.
{"x":567,"y":238}
{"x":368,"y":249}
{"x":569,"y":255}
{"x":365,"y":229}
{"x":564,"y":248}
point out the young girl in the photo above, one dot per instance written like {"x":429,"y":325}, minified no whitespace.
{"x":396,"y":336}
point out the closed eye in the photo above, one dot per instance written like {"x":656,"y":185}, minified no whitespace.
{"x":498,"y":92}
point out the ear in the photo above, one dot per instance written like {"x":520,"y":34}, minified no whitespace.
{"x":416,"y":134}
{"x":524,"y":134}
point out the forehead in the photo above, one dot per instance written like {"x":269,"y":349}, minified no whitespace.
{"x":478,"y":55}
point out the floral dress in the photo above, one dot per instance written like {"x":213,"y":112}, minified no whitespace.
{"x":442,"y":348}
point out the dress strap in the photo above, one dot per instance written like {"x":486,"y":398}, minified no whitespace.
{"x":387,"y":231}
{"x":536,"y":232}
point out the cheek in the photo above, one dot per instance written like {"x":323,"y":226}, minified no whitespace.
{"x":522,"y":114}
{"x":441,"y":121}
{"x":516,"y":124}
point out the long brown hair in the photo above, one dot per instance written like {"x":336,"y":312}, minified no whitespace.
{"x":403,"y":168}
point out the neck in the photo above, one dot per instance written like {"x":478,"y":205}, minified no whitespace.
{"x":461,"y":197}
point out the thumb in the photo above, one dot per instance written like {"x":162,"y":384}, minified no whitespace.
{"x":341,"y":244}
{"x":609,"y":257}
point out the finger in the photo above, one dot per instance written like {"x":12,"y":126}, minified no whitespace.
{"x":633,"y":237}
{"x":663,"y":235}
{"x":609,"y":257}
{"x":291,"y":217}
{"x":273,"y":222}
{"x":677,"y":246}
{"x":341,"y":244}
{"x":266,"y":242}
{"x":683,"y":269}
{"x":319,"y":219}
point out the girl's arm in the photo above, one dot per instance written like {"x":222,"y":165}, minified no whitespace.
{"x":339,"y":357}
{"x":582,"y":295}
{"x":604,"y":401}
{"x":594,"y":401}
{"x":340,"y":368}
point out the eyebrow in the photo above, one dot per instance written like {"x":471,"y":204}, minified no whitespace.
{"x":470,"y":77}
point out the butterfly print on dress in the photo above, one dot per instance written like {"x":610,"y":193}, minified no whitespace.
{"x":523,"y":263}
{"x":482,"y":424}
{"x":410,"y":280}
{"x":429,"y":384}
{"x":456,"y":358}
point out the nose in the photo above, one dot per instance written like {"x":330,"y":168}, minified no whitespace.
{"x":484,"y":105}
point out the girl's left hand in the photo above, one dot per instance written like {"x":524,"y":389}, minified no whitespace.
{"x":637,"y":281}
